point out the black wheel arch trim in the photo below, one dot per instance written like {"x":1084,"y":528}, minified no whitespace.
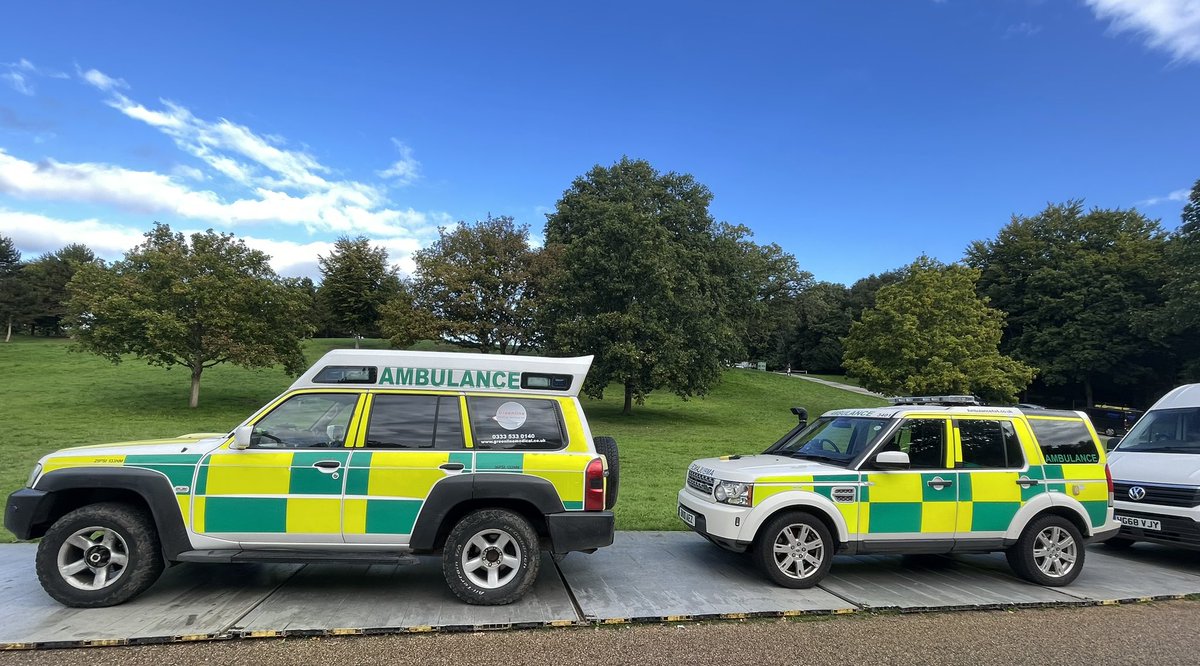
{"x":453,"y":491}
{"x":153,"y":487}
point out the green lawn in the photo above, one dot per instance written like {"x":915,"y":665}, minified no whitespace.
{"x":52,"y":398}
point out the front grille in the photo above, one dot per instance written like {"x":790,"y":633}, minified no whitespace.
{"x":1176,"y":530}
{"x":1185,"y":496}
{"x":701,"y":482}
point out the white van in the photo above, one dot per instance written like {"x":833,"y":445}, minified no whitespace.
{"x":1156,"y":473}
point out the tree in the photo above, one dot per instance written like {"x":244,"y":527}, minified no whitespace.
{"x":634,"y":282}
{"x":11,"y":289}
{"x":861,"y":295}
{"x":1080,"y":290}
{"x":930,"y":333}
{"x":47,"y":278}
{"x":193,"y":304}
{"x":821,"y":318}
{"x":1180,"y":325}
{"x":477,"y":281}
{"x":356,"y":281}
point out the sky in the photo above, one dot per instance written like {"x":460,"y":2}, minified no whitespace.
{"x":856,"y":134}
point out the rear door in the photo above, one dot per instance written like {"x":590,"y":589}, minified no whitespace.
{"x":991,"y":463}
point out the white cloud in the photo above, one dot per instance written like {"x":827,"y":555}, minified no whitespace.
{"x":1177,"y":195}
{"x":1169,"y":25}
{"x":100,"y":80}
{"x":404,"y":170}
{"x":20,"y":74}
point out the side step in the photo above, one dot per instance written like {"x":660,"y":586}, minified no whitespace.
{"x":294,"y":556}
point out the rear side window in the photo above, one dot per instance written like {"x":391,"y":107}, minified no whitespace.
{"x":346,"y":374}
{"x":415,"y":422}
{"x":521,"y":424}
{"x":988,"y":443}
{"x":1065,"y":442}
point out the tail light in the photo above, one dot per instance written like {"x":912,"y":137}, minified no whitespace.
{"x":593,"y":489}
{"x":1108,"y":477}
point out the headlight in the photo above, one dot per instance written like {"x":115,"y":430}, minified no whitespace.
{"x":732,"y":492}
{"x":37,"y":470}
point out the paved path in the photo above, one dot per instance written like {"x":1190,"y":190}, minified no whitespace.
{"x":845,"y":387}
{"x":644,"y":576}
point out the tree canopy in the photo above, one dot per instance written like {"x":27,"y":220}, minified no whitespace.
{"x":11,"y":293}
{"x":634,"y":281}
{"x":195,"y":303}
{"x":356,"y":281}
{"x":930,"y":333}
{"x":1180,"y":325}
{"x":1080,"y":289}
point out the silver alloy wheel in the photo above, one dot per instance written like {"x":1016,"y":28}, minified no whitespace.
{"x":491,"y":558}
{"x":1055,"y":551}
{"x":799,"y":551}
{"x":93,"y":558}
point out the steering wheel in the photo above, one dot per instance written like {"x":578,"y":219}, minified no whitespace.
{"x":1161,"y":436}
{"x":826,"y":445}
{"x":273,"y":438}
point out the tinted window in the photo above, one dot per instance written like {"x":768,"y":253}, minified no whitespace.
{"x":989,"y":444}
{"x":414,"y":422}
{"x":924,"y":440}
{"x":346,"y":374}
{"x":515,"y":423}
{"x":1065,"y":442}
{"x":306,"y":421}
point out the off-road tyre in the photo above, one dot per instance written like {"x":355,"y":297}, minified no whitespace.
{"x":803,"y":527}
{"x":607,"y":447}
{"x":491,"y":528}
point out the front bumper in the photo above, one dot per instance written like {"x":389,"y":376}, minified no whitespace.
{"x":720,"y":523}
{"x":1180,"y":525}
{"x":580,"y":530}
{"x":27,"y":512}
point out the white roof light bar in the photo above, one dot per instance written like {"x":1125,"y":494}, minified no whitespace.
{"x":935,"y":400}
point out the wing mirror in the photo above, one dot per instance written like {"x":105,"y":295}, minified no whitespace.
{"x":892,"y":460}
{"x":241,"y":437}
{"x":801,"y":414}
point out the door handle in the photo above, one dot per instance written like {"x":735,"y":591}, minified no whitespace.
{"x":937,"y":483}
{"x":1027,"y":483}
{"x":451,"y":467}
{"x":327,"y":466}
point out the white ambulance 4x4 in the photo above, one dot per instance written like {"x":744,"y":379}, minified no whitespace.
{"x":928,"y":475}
{"x":369,"y":455}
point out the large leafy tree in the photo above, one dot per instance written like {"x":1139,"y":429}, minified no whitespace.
{"x":821,"y":318}
{"x":635,"y":282}
{"x":47,"y":278}
{"x":12,"y":289}
{"x":1080,"y":289}
{"x":1180,"y":325}
{"x":479,"y":283}
{"x":356,"y":281}
{"x":931,"y":333}
{"x":192,"y":302}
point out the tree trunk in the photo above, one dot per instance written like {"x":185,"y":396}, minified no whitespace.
{"x":8,"y":335}
{"x":195,"y":400}
{"x":1087,"y":391}
{"x":628,"y":399}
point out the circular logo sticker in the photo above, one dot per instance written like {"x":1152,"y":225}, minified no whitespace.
{"x":510,"y":415}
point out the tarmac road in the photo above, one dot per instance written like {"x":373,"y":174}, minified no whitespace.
{"x":1158,"y":632}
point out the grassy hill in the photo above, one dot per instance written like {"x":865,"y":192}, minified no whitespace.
{"x":52,"y":398}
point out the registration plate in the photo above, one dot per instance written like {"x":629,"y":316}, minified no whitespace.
{"x":1141,"y":523}
{"x":687,"y":516}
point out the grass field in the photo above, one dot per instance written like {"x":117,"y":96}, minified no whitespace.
{"x":51,"y":398}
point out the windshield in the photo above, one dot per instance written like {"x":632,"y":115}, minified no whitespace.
{"x":1165,"y":431}
{"x":837,"y":440}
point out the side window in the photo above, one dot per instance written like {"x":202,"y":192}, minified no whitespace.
{"x":309,"y":420}
{"x":516,"y":423}
{"x":989,"y":443}
{"x":1065,"y":442}
{"x":924,"y":440}
{"x":414,"y":422}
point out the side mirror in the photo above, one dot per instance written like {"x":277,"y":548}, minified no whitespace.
{"x":241,"y":437}
{"x":801,"y":414}
{"x":892,"y":460}
{"x":1112,"y":443}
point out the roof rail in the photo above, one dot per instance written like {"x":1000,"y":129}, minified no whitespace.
{"x":946,"y":400}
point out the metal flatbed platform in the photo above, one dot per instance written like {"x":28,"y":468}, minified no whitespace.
{"x":643,"y":577}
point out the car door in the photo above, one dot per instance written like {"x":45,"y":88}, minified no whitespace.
{"x":990,"y":463}
{"x":287,"y":486}
{"x":914,"y":509}
{"x":409,"y":442}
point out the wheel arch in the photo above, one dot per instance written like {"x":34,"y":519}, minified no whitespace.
{"x":1050,"y":504}
{"x":454,"y":497}
{"x":818,"y":505}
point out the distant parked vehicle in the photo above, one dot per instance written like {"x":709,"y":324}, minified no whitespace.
{"x":1113,"y":421}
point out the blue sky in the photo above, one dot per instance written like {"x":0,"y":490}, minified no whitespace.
{"x":855,"y":134}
